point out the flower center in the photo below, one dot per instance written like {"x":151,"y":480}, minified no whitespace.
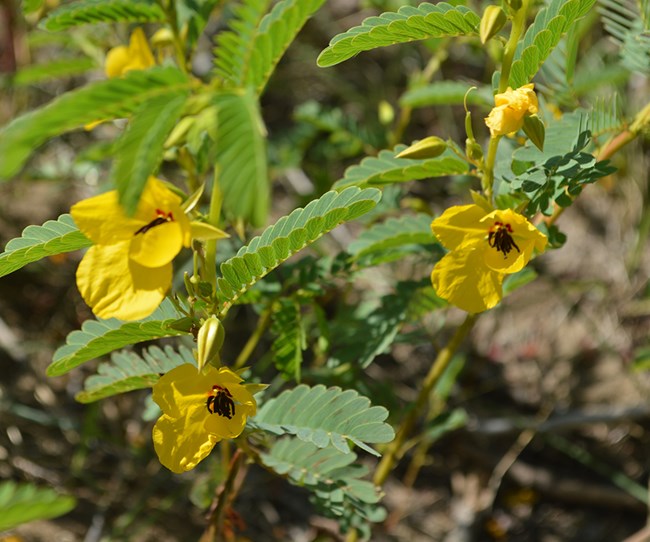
{"x":161,"y":218}
{"x":220,"y":402}
{"x":500,"y":238}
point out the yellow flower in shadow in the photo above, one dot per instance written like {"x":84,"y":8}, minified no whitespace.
{"x":199,"y":409}
{"x":484,"y":246}
{"x":135,"y":56}
{"x":128,"y":270}
{"x":511,"y":106}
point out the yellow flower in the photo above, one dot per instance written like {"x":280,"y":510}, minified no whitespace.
{"x":510,"y":107}
{"x":136,"y":56}
{"x":485,"y":246}
{"x":199,"y":409}
{"x":128,"y":270}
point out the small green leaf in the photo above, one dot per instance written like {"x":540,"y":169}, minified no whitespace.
{"x":99,"y":337}
{"x":29,"y":75}
{"x":386,"y":168}
{"x":290,"y":338}
{"x":37,"y":242}
{"x":20,"y":503}
{"x":395,"y":232}
{"x":102,"y":11}
{"x":408,"y":24}
{"x":102,"y":100}
{"x":140,"y":148}
{"x":274,"y":245}
{"x":326,"y":416}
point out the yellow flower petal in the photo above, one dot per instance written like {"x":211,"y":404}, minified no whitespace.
{"x":199,"y":409}
{"x":102,"y":219}
{"x":137,"y":56}
{"x":462,"y":279}
{"x":157,"y":246}
{"x":510,"y":107}
{"x":181,"y":443}
{"x":458,"y":224}
{"x":114,"y":286}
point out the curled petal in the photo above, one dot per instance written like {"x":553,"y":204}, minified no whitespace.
{"x":459,"y":225}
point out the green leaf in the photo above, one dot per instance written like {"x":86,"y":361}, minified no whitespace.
{"x":241,"y":157}
{"x":102,"y":11}
{"x":289,"y":338}
{"x":326,"y":417}
{"x":20,"y":503}
{"x":36,"y":73}
{"x":30,"y":6}
{"x":247,"y":55}
{"x":103,"y":100}
{"x":628,"y":24}
{"x":129,"y":371}
{"x":395,"y":232}
{"x":550,"y":24}
{"x":140,"y":148}
{"x":386,"y":168}
{"x":408,"y":24}
{"x":99,"y":337}
{"x":265,"y":252}
{"x":446,"y":93}
{"x":323,"y":469}
{"x":36,"y":242}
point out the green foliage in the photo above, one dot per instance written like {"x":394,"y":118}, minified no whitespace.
{"x":139,"y":150}
{"x":386,"y":169}
{"x":394,"y":232}
{"x":99,"y":337}
{"x":289,"y":235}
{"x":247,"y":54}
{"x":241,"y":157}
{"x":30,"y":6}
{"x":103,"y":100}
{"x":102,"y":11}
{"x":550,"y":24}
{"x":628,"y":25}
{"x":408,"y":24}
{"x":561,"y":178}
{"x":332,"y":476}
{"x":446,"y":93}
{"x":128,"y":371}
{"x":37,"y":242}
{"x":606,"y":116}
{"x":326,"y":417}
{"x":20,"y":503}
{"x":289,"y":338}
{"x":37,"y":73}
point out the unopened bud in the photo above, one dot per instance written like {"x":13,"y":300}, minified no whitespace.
{"x":493,"y":20}
{"x":386,"y":113}
{"x":534,"y":129}
{"x":209,"y":341}
{"x":429,"y":147}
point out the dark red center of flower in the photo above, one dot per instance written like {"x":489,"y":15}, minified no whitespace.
{"x":500,"y":237}
{"x":220,"y":402}
{"x":161,"y":218}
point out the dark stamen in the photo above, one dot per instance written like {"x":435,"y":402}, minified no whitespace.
{"x":160,"y":219}
{"x":501,"y":239}
{"x":220,"y":402}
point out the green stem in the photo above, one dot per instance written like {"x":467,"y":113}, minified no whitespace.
{"x":216,"y":199}
{"x":169,"y":7}
{"x":253,"y":340}
{"x":518,"y":26}
{"x":406,"y":427}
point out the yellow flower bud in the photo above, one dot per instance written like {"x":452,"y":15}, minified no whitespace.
{"x":209,"y":341}
{"x":493,"y":20}
{"x":429,"y":147}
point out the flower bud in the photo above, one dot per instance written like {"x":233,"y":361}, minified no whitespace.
{"x":493,"y":20}
{"x":534,"y":129}
{"x":209,"y":341}
{"x":429,"y":147}
{"x":473,"y":150}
